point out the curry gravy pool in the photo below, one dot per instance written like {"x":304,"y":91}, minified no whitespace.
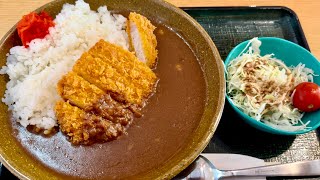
{"x":172,"y":113}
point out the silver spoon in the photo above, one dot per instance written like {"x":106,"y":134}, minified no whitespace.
{"x":203,"y":169}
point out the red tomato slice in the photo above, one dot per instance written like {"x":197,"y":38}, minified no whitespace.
{"x":307,"y":97}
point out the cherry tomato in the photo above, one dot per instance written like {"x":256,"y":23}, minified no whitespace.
{"x":307,"y":97}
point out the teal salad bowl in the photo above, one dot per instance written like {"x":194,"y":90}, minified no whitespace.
{"x":291,"y":54}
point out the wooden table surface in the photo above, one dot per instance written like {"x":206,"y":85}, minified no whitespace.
{"x":307,"y":11}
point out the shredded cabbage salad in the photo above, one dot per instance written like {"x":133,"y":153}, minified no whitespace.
{"x":263,"y":86}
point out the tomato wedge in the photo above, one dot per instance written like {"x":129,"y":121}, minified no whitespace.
{"x":33,"y":26}
{"x":306,"y":97}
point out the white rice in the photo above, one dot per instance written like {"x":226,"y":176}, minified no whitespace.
{"x":34,"y":72}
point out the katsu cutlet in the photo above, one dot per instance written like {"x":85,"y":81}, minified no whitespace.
{"x":78,"y":91}
{"x":83,"y":127}
{"x":103,"y":93}
{"x":113,"y":69}
{"x":90,"y":98}
{"x":142,"y":39}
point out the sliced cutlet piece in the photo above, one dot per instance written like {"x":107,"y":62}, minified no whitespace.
{"x":142,"y":40}
{"x":78,"y":91}
{"x":115,"y":70}
{"x":90,"y":98}
{"x":85,"y":128}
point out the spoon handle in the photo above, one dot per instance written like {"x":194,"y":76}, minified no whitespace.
{"x":304,"y":168}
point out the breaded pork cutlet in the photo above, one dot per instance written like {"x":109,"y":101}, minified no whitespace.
{"x":142,"y":40}
{"x":90,"y":98}
{"x":107,"y":87}
{"x":85,"y":128}
{"x":118,"y":71}
{"x":78,"y":91}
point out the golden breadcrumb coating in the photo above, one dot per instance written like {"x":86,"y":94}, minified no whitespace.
{"x":85,"y":128}
{"x":113,"y":69}
{"x":146,"y":36}
{"x":78,"y":91}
